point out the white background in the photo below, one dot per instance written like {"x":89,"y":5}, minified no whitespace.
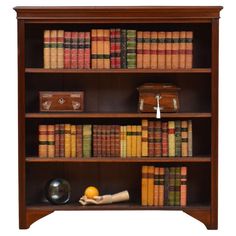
{"x":115,"y":223}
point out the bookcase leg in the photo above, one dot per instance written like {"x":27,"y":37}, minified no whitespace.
{"x":32,"y":216}
{"x":202,"y":215}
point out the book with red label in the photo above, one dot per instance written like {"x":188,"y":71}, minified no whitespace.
{"x":74,"y":53}
{"x":164,"y":139}
{"x":153,"y":50}
{"x":67,"y":50}
{"x":118,"y":48}
{"x":87,"y":50}
{"x":123,"y":50}
{"x":81,"y":49}
{"x":113,"y":48}
{"x":168,"y":49}
{"x":146,"y":49}
{"x":157,"y":139}
{"x":171,"y":138}
{"x":94,"y":48}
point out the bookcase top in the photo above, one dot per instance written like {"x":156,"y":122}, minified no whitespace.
{"x":108,"y":12}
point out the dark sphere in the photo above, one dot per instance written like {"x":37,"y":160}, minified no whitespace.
{"x":58,"y":191}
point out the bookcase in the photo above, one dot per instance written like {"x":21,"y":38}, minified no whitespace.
{"x":111,"y":98}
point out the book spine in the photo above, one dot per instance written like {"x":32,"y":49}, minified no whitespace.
{"x":146,"y":49}
{"x":95,"y":143}
{"x":125,"y":141}
{"x":80,"y":50}
{"x":139,"y":140}
{"x":164,"y":139}
{"x":53,"y":46}
{"x":118,"y":48}
{"x":175,"y":50}
{"x":57,"y":140}
{"x":74,"y":50}
{"x":171,"y":138}
{"x":189,"y":50}
{"x":131,"y":48}
{"x":43,"y":141}
{"x":94,"y":48}
{"x":129,"y":141}
{"x":134,"y":141}
{"x":139,"y":49}
{"x":67,"y":50}
{"x":103,"y":140}
{"x":166,"y":185}
{"x":121,"y":141}
{"x":144,"y":187}
{"x":117,"y":140}
{"x":62,"y":140}
{"x":106,"y":49}
{"x":157,"y":139}
{"x":144,"y":138}
{"x":108,"y":140}
{"x":123,"y":51}
{"x":113,"y":140}
{"x":60,"y":49}
{"x":183,"y":186}
{"x":51,"y":141}
{"x":113,"y":48}
{"x":168,"y":49}
{"x":156,"y":186}
{"x":184,"y":138}
{"x":79,"y":141}
{"x":46,"y":49}
{"x":73,"y":141}
{"x":99,"y":145}
{"x":190,"y":139}
{"x":151,"y":148}
{"x":177,"y":185}
{"x":171,"y":198}
{"x":67,"y":140}
{"x":150,"y":185}
{"x":87,"y":140}
{"x":153,"y":50}
{"x":87,"y":50}
{"x":161,"y":186}
{"x":161,"y":51}
{"x":178,"y":138}
{"x":182,"y":36}
{"x":100,"y":51}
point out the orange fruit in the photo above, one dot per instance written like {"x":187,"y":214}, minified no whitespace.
{"x":91,"y":192}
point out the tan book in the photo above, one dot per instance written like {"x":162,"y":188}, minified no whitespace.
{"x":51,"y":141}
{"x":106,"y":49}
{"x":122,"y":141}
{"x":161,"y":186}
{"x":60,"y":49}
{"x":168,"y":49}
{"x":175,"y":50}
{"x":46,"y":49}
{"x":129,"y":141}
{"x":189,"y":49}
{"x":94,"y":48}
{"x":150,"y":185}
{"x":144,"y":138}
{"x":125,"y":141}
{"x":146,"y":49}
{"x":133,"y":141}
{"x":139,"y":49}
{"x":53,"y":44}
{"x":183,"y":186}
{"x":184,"y":138}
{"x":182,"y":36}
{"x":153,"y":51}
{"x":100,"y":46}
{"x":171,"y":138}
{"x":161,"y":60}
{"x":190,"y":138}
{"x":139,"y":140}
{"x":156,"y":186}
{"x":67,"y":140}
{"x":43,"y":141}
{"x":144,"y":186}
{"x":73,"y":140}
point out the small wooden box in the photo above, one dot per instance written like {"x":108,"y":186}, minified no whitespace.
{"x":61,"y":101}
{"x":168,"y":97}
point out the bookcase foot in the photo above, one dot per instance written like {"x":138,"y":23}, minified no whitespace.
{"x":32,"y":216}
{"x":202,"y":215}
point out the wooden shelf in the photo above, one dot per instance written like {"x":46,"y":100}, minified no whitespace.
{"x":117,"y":115}
{"x":119,"y":71}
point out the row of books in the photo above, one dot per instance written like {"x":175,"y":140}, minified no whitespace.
{"x":149,"y":139}
{"x":117,"y":48}
{"x":164,"y":186}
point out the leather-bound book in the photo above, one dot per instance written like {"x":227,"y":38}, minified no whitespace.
{"x":134,"y":141}
{"x":75,"y":52}
{"x":113,"y":48}
{"x":139,"y":49}
{"x":150,"y":185}
{"x":164,"y":139}
{"x":117,"y":140}
{"x":67,"y":50}
{"x":182,"y":36}
{"x":190,"y":139}
{"x":87,"y":141}
{"x":184,"y":138}
{"x":53,"y":52}
{"x":73,"y":141}
{"x":183,"y":186}
{"x":175,"y":50}
{"x":123,"y":51}
{"x":139,"y":140}
{"x":151,"y":148}
{"x":125,"y":142}
{"x":60,"y":49}
{"x":108,"y":140}
{"x":129,"y":141}
{"x":57,"y":140}
{"x":178,"y":140}
{"x":161,"y":57}
{"x":62,"y":140}
{"x":118,"y":48}
{"x":177,"y":185}
{"x":144,"y":138}
{"x":103,"y":140}
{"x":87,"y":50}
{"x":171,"y":138}
{"x":122,"y":141}
{"x":156,"y":186}
{"x":99,"y":140}
{"x":79,"y":141}
{"x":94,"y":48}
{"x":146,"y":49}
{"x":43,"y":141}
{"x":161,"y":186}
{"x":168,"y":49}
{"x":46,"y":49}
{"x":67,"y":140}
{"x":166,"y":186}
{"x":106,"y":49}
{"x":112,"y":140}
{"x":100,"y":49}
{"x":171,"y":196}
{"x":144,"y":187}
{"x":189,"y":50}
{"x":153,"y":50}
{"x":81,"y":49}
{"x":51,"y":141}
{"x":131,"y":49}
{"x":95,"y":141}
{"x":157,"y":139}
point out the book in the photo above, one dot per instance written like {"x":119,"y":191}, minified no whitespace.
{"x":166,"y":185}
{"x":43,"y":141}
{"x":153,"y":50}
{"x":151,"y":148}
{"x":108,"y":141}
{"x":51,"y":141}
{"x":168,"y":50}
{"x":74,"y":50}
{"x":156,"y":186}
{"x":184,"y":138}
{"x":150,"y":184}
{"x":161,"y":50}
{"x":62,"y":140}
{"x":144,"y":186}
{"x":125,"y":141}
{"x":106,"y":49}
{"x":123,"y":50}
{"x":87,"y":50}
{"x":190,"y":139}
{"x":99,"y":140}
{"x":164,"y":139}
{"x":129,"y":140}
{"x":117,"y":140}
{"x":171,"y":194}
{"x":57,"y":140}
{"x":161,"y":186}
{"x":183,"y":186}
{"x":144,"y":138}
{"x":60,"y":49}
{"x":146,"y":49}
{"x":113,"y":140}
{"x":133,"y":141}
{"x":94,"y":48}
{"x":46,"y":50}
{"x":189,"y":50}
{"x":131,"y":49}
{"x":171,"y":138}
{"x":79,"y":141}
{"x":157,"y":139}
{"x":178,"y":140}
{"x":139,"y":49}
{"x":87,"y":140}
{"x":80,"y":50}
{"x":100,"y":48}
{"x":182,"y":36}
{"x":113,"y":48}
{"x":177,"y":185}
{"x":67,"y":140}
{"x":139,"y":140}
{"x":175,"y":50}
{"x":67,"y":50}
{"x":73,"y":140}
{"x":53,"y":47}
{"x":117,"y":48}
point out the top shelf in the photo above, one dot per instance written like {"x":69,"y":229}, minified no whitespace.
{"x":120,"y":71}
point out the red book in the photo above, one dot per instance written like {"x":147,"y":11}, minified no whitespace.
{"x":99,"y":140}
{"x":67,"y":50}
{"x":164,"y":139}
{"x":87,"y":50}
{"x":112,"y":140}
{"x":117,"y":140}
{"x":81,"y":39}
{"x":157,"y":138}
{"x":103,"y":140}
{"x":57,"y":140}
{"x":74,"y":45}
{"x":117,"y":49}
{"x":113,"y":48}
{"x":108,"y":141}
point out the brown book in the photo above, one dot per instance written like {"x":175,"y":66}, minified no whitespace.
{"x":43,"y":141}
{"x":51,"y":141}
{"x":79,"y":141}
{"x":57,"y":140}
{"x":139,"y":140}
{"x":144,"y":186}
{"x":157,"y":139}
{"x":46,"y":49}
{"x":144,"y":138}
{"x":100,"y":50}
{"x":151,"y":148}
{"x":117,"y":140}
{"x":156,"y":186}
{"x":175,"y":50}
{"x":183,"y":186}
{"x":146,"y":49}
{"x":67,"y":141}
{"x":53,"y":52}
{"x":103,"y":140}
{"x":168,"y":49}
{"x":161,"y":60}
{"x":189,"y":49}
{"x":150,"y":185}
{"x":106,"y":49}
{"x":184,"y":138}
{"x":73,"y":141}
{"x":139,"y":49}
{"x":182,"y":36}
{"x":108,"y":140}
{"x":161,"y":186}
{"x":62,"y":140}
{"x":99,"y":140}
{"x":153,"y":50}
{"x":94,"y":48}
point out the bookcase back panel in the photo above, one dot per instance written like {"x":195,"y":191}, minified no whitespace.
{"x":118,"y":92}
{"x":201,"y":40}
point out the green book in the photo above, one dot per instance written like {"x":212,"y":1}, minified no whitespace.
{"x":171,"y":196}
{"x":178,"y":138}
{"x":131,"y":48}
{"x":177,"y":185}
{"x":87,"y":140}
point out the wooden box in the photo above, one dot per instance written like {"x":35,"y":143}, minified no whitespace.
{"x":61,"y":101}
{"x":167,"y":94}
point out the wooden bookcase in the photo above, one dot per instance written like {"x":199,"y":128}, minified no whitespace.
{"x":111,"y":97}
